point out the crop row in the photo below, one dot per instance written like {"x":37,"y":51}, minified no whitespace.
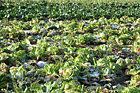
{"x":70,"y":56}
{"x":57,"y":11}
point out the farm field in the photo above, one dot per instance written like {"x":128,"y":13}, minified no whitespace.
{"x":69,"y":47}
{"x":76,"y":1}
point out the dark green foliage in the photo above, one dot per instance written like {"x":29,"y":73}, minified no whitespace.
{"x":44,"y":10}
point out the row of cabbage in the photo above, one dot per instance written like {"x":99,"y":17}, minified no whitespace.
{"x":62,"y":11}
{"x":70,"y":56}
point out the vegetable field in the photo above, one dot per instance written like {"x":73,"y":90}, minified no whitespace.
{"x":69,"y":47}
